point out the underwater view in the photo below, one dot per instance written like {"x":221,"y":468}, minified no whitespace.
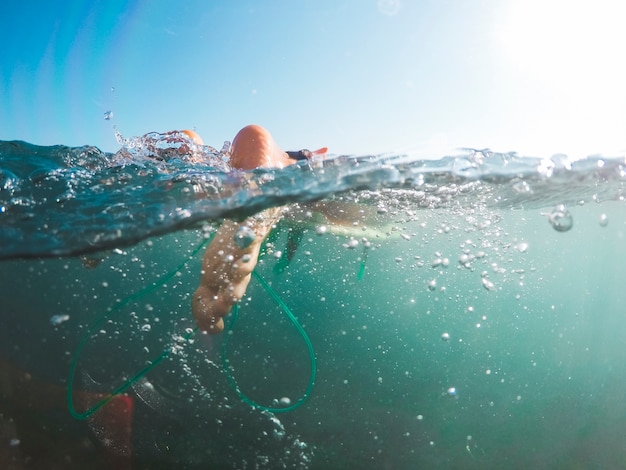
{"x":467,"y":312}
{"x":420,"y":267}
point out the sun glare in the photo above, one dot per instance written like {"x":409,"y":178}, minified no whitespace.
{"x":565,"y":39}
{"x":572,"y":51}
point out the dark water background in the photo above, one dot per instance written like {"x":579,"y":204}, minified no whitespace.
{"x":531,"y":374}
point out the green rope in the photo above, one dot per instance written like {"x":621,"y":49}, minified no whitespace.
{"x":116,"y":310}
{"x":227,"y":368}
{"x":106,"y":316}
{"x":361,"y":271}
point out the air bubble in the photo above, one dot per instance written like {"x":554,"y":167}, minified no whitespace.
{"x":522,"y":187}
{"x":487,"y":284}
{"x":352,"y":243}
{"x":244,"y":236}
{"x":108,"y":115}
{"x":444,"y":262}
{"x":604,"y":220}
{"x":56,"y":320}
{"x":321,"y":229}
{"x":560,"y":218}
{"x":445,"y":336}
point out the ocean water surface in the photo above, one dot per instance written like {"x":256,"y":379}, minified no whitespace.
{"x":464,"y":312}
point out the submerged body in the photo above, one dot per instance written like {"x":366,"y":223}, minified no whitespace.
{"x":227,"y":266}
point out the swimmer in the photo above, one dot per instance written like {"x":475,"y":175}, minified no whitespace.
{"x":227,"y":266}
{"x":187,"y":140}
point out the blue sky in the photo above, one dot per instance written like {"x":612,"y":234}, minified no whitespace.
{"x":358,"y":76}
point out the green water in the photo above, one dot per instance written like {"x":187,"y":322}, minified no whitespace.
{"x":535,"y":351}
{"x":537,"y":362}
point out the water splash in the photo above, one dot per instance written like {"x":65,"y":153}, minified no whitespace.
{"x":62,"y":200}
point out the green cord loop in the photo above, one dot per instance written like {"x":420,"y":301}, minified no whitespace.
{"x":227,"y":368}
{"x":116,"y":310}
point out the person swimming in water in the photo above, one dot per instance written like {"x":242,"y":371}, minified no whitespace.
{"x":227,"y":265}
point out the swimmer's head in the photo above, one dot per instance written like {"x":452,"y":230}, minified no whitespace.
{"x":193,"y":135}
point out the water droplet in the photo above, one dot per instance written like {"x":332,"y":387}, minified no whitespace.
{"x":108,"y":115}
{"x":560,"y":218}
{"x":244,"y":236}
{"x":445,"y":336}
{"x":604,"y":220}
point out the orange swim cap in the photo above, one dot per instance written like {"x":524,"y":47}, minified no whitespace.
{"x":193,"y":135}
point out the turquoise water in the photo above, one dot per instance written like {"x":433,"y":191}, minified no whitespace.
{"x":486,"y":330}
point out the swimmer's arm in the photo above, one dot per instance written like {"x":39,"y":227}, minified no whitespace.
{"x":227,"y":269}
